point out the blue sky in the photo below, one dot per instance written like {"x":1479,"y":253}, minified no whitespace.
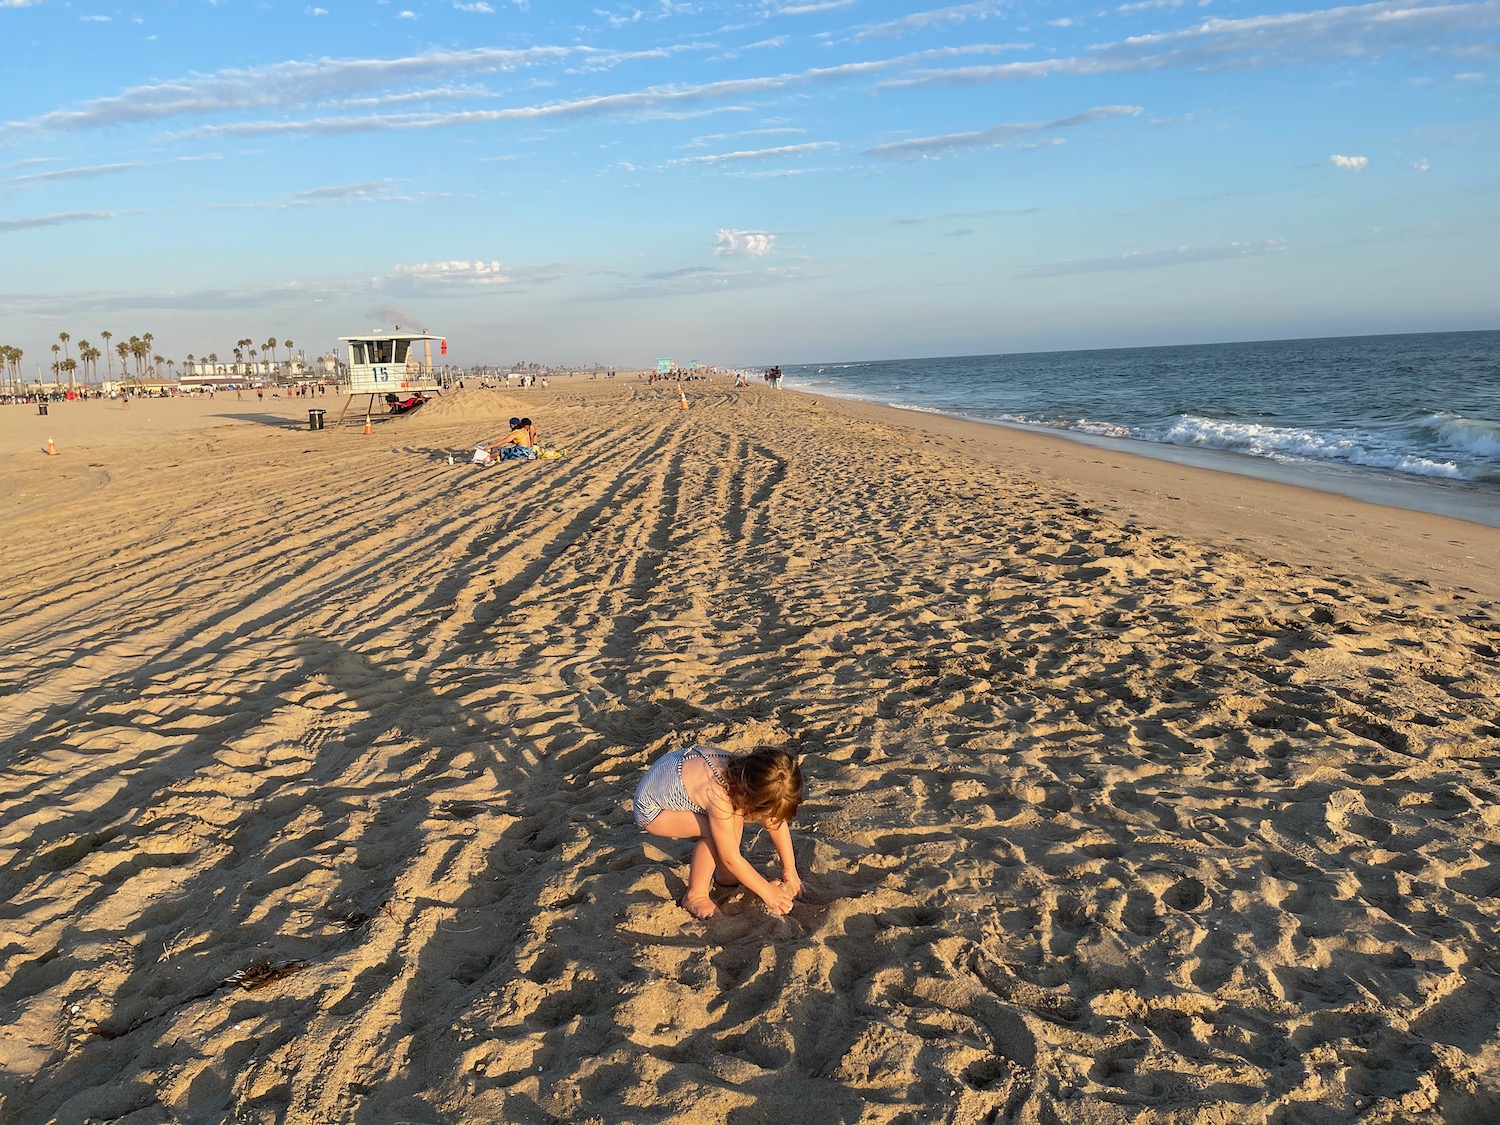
{"x":745,"y":181}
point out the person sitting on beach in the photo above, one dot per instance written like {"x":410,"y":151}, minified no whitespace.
{"x":518,"y":445}
{"x":707,"y":793}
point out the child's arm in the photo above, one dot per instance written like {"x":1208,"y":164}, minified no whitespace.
{"x":725,"y":832}
{"x":781,"y":836}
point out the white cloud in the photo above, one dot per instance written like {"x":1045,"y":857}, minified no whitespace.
{"x":923,"y":21}
{"x":1352,"y":163}
{"x":297,"y":84}
{"x":76,"y":173}
{"x":1156,"y":259}
{"x":19,"y":3}
{"x":57,"y":219}
{"x":316,"y":12}
{"x":756,"y":154}
{"x":476,"y":273}
{"x":744,"y":243}
{"x":407,"y":14}
{"x":996,"y":135}
{"x":808,"y":9}
{"x":1281,"y":39}
{"x":700,"y":280}
{"x":1421,"y":165}
{"x":480,"y":6}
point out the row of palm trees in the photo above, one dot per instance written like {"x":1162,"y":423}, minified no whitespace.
{"x":135,"y":353}
{"x":245,"y":355}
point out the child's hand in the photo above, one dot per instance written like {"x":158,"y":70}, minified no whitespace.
{"x":778,"y":901}
{"x":792,"y":884}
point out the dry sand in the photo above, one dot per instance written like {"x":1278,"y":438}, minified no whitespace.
{"x":1137,"y":793}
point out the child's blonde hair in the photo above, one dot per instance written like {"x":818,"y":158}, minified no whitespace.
{"x":764,"y":785}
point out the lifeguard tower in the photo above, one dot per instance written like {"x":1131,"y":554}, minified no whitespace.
{"x":385,"y":363}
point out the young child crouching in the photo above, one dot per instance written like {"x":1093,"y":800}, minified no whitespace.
{"x":711,"y":794}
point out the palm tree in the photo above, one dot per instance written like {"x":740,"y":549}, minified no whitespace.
{"x":213,"y":360}
{"x":55,"y":349}
{"x":108,"y":362}
{"x":89,"y":355}
{"x":146,"y":339}
{"x":13,"y":362}
{"x":122,"y":349}
{"x":239,"y":357}
{"x":270,"y":346}
{"x":64,"y":337}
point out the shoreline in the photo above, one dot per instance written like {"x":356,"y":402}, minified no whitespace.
{"x":1439,"y":496}
{"x":1284,"y":519}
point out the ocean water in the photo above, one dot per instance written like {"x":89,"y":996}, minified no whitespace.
{"x":1409,"y":420}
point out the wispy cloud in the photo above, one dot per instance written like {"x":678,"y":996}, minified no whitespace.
{"x":913,"y":220}
{"x":375,"y":191}
{"x":1158,"y":259}
{"x":1287,"y":39}
{"x":996,"y":135}
{"x":76,"y":173}
{"x":33,"y":221}
{"x":926,"y":21}
{"x":698,"y":281}
{"x":297,"y":85}
{"x":744,"y":243}
{"x":103,"y":169}
{"x":283,"y":85}
{"x":713,"y":138}
{"x":466,"y":274}
{"x":809,"y":9}
{"x":756,"y":154}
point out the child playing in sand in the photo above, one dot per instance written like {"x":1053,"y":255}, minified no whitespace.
{"x":711,"y":794}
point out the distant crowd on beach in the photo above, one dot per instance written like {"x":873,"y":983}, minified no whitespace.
{"x":115,"y":394}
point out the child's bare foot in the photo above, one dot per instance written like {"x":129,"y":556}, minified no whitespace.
{"x":699,"y":906}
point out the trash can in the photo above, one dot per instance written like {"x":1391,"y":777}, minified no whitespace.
{"x":41,"y":408}
{"x":315,"y":419}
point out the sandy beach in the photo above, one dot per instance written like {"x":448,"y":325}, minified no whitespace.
{"x":1136,"y":793}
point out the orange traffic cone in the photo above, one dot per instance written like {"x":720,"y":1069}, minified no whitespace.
{"x":682,"y":398}
{"x":369,"y":428}
{"x":51,"y":448}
